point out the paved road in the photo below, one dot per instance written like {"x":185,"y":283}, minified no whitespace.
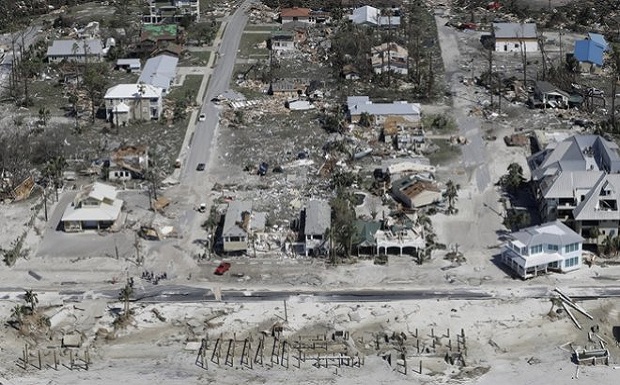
{"x":188,"y":294}
{"x":474,"y":153}
{"x":30,"y":35}
{"x":201,"y":143}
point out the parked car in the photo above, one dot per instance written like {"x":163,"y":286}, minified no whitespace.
{"x":222,"y":268}
{"x":200,"y":167}
{"x":262,"y":169}
{"x":202,"y":117}
{"x":595,"y":91}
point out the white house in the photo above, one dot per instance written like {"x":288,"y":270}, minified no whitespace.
{"x":552,"y":246}
{"x":283,"y":42}
{"x":358,"y":105}
{"x":95,"y":207}
{"x":87,"y":50}
{"x":514,"y":37}
{"x":371,"y":16}
{"x":125,"y":102}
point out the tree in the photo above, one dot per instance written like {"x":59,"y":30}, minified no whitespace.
{"x":73,"y":99}
{"x":615,"y":77}
{"x":366,"y":119}
{"x":451,"y":193}
{"x":53,"y":172}
{"x":204,"y":32}
{"x":514,"y":179}
{"x":516,"y":220}
{"x":31,"y":299}
{"x":343,"y":225}
{"x":44,"y":115}
{"x":611,"y":246}
{"x":95,"y":84}
{"x":124,"y":296}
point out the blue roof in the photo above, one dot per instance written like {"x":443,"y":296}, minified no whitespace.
{"x":589,"y":51}
{"x":598,"y":39}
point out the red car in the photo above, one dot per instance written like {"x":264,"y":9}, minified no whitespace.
{"x":222,"y":268}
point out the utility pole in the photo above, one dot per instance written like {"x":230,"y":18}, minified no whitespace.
{"x":24,"y":75}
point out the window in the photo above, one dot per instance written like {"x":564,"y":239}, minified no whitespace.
{"x":536,"y":249}
{"x":571,"y":262}
{"x":517,"y":45}
{"x":553,"y":247}
{"x":572,"y":247}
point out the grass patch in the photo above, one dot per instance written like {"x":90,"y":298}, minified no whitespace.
{"x":196,"y":58}
{"x":264,"y":28}
{"x":189,"y":89}
{"x":247,"y":46}
{"x":446,"y":153}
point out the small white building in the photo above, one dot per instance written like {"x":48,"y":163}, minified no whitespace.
{"x":95,"y":207}
{"x":552,"y":246}
{"x":389,"y":57}
{"x":126,"y":102}
{"x":514,"y":37}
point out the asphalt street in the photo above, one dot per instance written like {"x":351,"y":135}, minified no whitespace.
{"x":202,"y":141}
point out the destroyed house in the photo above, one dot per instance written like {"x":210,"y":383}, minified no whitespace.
{"x":548,"y":95}
{"x":317,"y":222}
{"x":156,"y":36}
{"x":291,"y":88}
{"x":282,"y":41}
{"x":129,"y":162}
{"x":389,"y":57}
{"x":536,"y":250}
{"x":414,"y":192}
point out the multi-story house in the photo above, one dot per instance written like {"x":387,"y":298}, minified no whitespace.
{"x":125,"y":102}
{"x":577,"y":181}
{"x":536,"y":250}
{"x":171,"y":11}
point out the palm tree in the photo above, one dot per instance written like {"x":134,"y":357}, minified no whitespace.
{"x":17,"y":312}
{"x":611,"y":246}
{"x":53,"y":171}
{"x":451,"y":193}
{"x":31,"y":299}
{"x":44,"y":115}
{"x":125,"y":295}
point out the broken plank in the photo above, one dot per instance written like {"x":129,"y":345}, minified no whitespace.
{"x":572,"y":317}
{"x":568,"y":300}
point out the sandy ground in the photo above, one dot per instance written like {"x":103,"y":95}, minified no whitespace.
{"x":511,"y":339}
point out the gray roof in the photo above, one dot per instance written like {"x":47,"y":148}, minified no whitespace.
{"x":555,"y":233}
{"x":360,"y":104}
{"x":514,"y":30}
{"x":546,"y":87}
{"x":577,"y":153}
{"x":607,"y":188}
{"x":65,"y":47}
{"x":233,"y":219}
{"x":569,"y":184}
{"x":159,"y":71}
{"x":318,"y":217}
{"x":132,"y":63}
